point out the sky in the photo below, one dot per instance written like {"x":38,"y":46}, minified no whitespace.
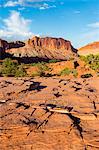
{"x":74,"y":20}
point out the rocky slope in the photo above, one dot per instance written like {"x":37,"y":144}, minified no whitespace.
{"x":92,"y":48}
{"x":45,"y":48}
{"x":26,"y":122}
{"x":55,"y":69}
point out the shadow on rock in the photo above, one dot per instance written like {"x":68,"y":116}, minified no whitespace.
{"x":36,"y":86}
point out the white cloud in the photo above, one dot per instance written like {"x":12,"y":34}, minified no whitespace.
{"x":15,"y":27}
{"x":46,"y":6}
{"x":94,"y":25}
{"x":21,"y":8}
{"x":91,"y":34}
{"x":11,"y":4}
{"x":30,"y":3}
{"x":92,"y":31}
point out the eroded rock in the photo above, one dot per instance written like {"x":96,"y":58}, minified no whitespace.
{"x":28,"y":119}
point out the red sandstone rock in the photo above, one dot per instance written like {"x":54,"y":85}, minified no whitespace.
{"x":50,"y":43}
{"x":92,"y":48}
{"x":47,"y":48}
{"x":25,"y":123}
{"x":4,"y":45}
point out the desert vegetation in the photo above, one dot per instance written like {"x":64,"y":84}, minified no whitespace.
{"x":9,"y":67}
{"x":68,"y":71}
{"x":92,"y":61}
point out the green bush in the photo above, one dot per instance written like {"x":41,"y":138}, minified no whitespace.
{"x":41,"y":65}
{"x":75,"y":73}
{"x":92,"y":61}
{"x":53,"y":61}
{"x":36,"y":73}
{"x":8,"y":67}
{"x":66,"y":71}
{"x":11,"y":68}
{"x":20,"y":71}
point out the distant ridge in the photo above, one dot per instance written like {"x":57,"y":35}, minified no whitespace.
{"x":92,"y":48}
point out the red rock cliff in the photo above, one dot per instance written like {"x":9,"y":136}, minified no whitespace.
{"x":50,"y":43}
{"x":47,"y":48}
{"x":4,"y":45}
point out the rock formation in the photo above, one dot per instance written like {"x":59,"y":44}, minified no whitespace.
{"x":92,"y":48}
{"x":4,"y":45}
{"x":46,"y":48}
{"x":50,"y":43}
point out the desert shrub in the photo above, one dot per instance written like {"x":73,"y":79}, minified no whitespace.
{"x":38,"y":63}
{"x":41,"y":65}
{"x":54,"y":61}
{"x":75,"y":73}
{"x":0,"y":71}
{"x":42,"y":69}
{"x":37,"y":73}
{"x":95,"y":66}
{"x":8,"y":67}
{"x":41,"y":73}
{"x":20,"y":71}
{"x":90,"y":58}
{"x":11,"y":68}
{"x":92,"y":61}
{"x":88,"y":75}
{"x":66,"y":71}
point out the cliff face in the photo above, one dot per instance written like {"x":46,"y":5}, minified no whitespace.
{"x":92,"y":48}
{"x":47,"y":48}
{"x":50,"y":43}
{"x":4,"y":45}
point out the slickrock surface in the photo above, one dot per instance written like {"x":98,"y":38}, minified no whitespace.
{"x":26,"y":123}
{"x":45,"y":48}
{"x":92,"y":48}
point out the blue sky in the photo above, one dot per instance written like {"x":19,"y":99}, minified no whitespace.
{"x":74,"y":20}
